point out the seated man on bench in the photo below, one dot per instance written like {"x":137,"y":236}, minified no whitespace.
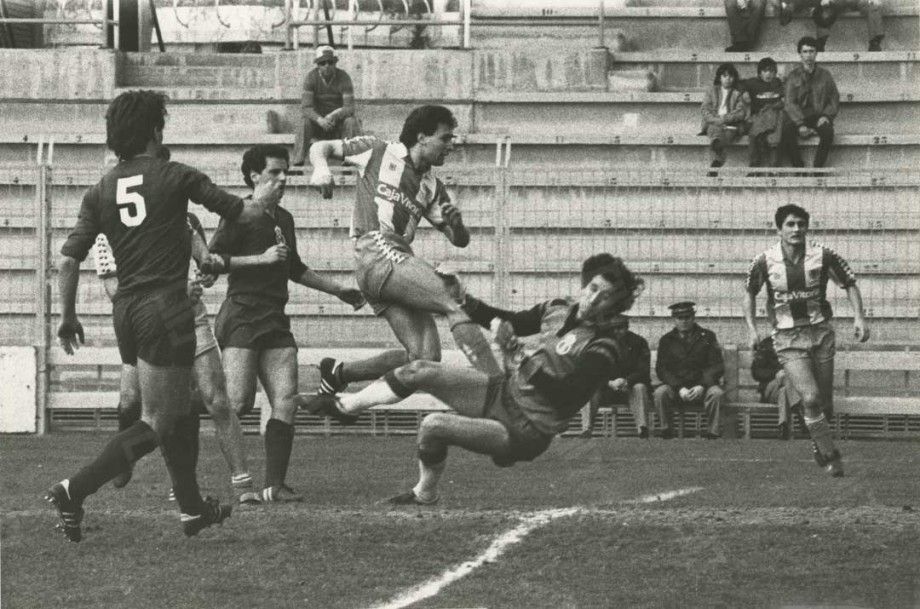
{"x":774,"y":387}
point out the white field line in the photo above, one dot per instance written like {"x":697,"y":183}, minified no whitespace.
{"x":500,"y":544}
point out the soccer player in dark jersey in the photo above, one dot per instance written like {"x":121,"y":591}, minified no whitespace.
{"x":512,"y":417}
{"x":140,"y":205}
{"x":252,"y":328}
{"x":796,"y":272}
{"x":395,"y":190}
{"x":207,"y":371}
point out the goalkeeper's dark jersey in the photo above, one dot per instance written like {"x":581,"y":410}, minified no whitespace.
{"x":140,"y":206}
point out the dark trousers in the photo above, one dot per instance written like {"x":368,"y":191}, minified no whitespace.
{"x":744,"y":25}
{"x":791,"y":141}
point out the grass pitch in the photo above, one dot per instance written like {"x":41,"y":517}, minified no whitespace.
{"x":766,"y":528}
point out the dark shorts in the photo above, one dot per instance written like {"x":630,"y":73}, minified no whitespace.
{"x":156,"y":326}
{"x":527,"y":442}
{"x":256,"y":325}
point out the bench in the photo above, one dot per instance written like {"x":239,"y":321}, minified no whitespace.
{"x":892,"y":393}
{"x":872,"y":384}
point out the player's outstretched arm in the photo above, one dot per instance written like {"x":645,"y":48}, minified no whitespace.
{"x":320,"y":153}
{"x":860,"y":328}
{"x":70,"y":332}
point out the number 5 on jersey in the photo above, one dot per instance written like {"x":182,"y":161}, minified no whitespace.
{"x":132,"y":209}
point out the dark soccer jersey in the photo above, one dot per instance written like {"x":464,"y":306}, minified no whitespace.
{"x":140,"y":206}
{"x":262,"y":283}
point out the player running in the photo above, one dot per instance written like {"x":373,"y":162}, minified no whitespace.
{"x":140,"y":205}
{"x":395,"y":190}
{"x":796,"y":272}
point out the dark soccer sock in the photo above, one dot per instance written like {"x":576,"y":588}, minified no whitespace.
{"x":190,"y":426}
{"x":180,"y":454}
{"x":279,"y":440}
{"x":124,"y":449}
{"x":821,"y":435}
{"x":475,"y":347}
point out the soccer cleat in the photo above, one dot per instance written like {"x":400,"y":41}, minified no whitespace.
{"x":410,"y":498}
{"x":835,"y":468}
{"x":325,"y":405}
{"x":643,"y":433}
{"x":172,"y":495}
{"x":122,"y":479}
{"x":212,"y":512}
{"x":330,"y":376}
{"x":69,"y":511}
{"x":249,"y":498}
{"x":280,"y":493}
{"x":820,"y":459}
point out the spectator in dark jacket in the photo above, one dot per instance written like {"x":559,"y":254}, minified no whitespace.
{"x":765,"y":117}
{"x":811,"y":104}
{"x":631,"y":383}
{"x":690,"y":367}
{"x":773,"y":386}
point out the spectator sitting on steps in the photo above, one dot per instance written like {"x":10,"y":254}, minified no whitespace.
{"x":328,"y":105}
{"x":744,"y":17}
{"x":765,"y":100}
{"x":724,"y":112}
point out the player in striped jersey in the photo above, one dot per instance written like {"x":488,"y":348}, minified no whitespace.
{"x":796,"y":273}
{"x":512,"y":417}
{"x":395,"y":190}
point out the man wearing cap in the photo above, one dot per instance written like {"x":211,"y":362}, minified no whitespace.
{"x":690,"y":367}
{"x":631,"y":383}
{"x":328,"y":104}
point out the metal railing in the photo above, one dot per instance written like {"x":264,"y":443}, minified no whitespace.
{"x":103,"y":23}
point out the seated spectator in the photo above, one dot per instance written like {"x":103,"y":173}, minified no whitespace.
{"x":691,"y":368}
{"x":744,"y":18}
{"x":328,"y":105}
{"x":724,"y":113}
{"x":631,"y":383}
{"x":765,"y":120}
{"x":773,"y":386}
{"x":825,"y":12}
{"x":811,"y":102}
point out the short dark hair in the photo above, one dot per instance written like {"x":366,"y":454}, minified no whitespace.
{"x":425,"y":119}
{"x":255,"y":159}
{"x":806,"y":41}
{"x":767,"y":63}
{"x":614,"y":270}
{"x":131,"y":120}
{"x":790,"y":210}
{"x":725,"y":68}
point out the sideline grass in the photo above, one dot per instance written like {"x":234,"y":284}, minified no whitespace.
{"x":769,"y":529}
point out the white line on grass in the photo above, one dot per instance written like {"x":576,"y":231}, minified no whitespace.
{"x":502,"y":543}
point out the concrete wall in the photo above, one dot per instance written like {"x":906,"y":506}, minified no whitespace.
{"x":17,"y":390}
{"x":71,"y":74}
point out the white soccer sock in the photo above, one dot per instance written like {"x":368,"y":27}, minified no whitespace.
{"x":376,"y":393}
{"x":428,"y":478}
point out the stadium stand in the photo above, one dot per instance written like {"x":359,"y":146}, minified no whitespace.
{"x":564,"y":149}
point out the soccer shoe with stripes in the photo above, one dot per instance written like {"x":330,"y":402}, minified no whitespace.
{"x":280,"y":493}
{"x":330,"y":376}
{"x":410,"y":498}
{"x":243,"y":486}
{"x":69,"y":511}
{"x":212,"y":512}
{"x":325,"y":405}
{"x":834,"y":465}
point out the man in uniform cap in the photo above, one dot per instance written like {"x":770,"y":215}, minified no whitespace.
{"x":328,"y":104}
{"x":690,"y":367}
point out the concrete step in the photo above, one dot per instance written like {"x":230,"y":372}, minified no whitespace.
{"x":693,"y":29}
